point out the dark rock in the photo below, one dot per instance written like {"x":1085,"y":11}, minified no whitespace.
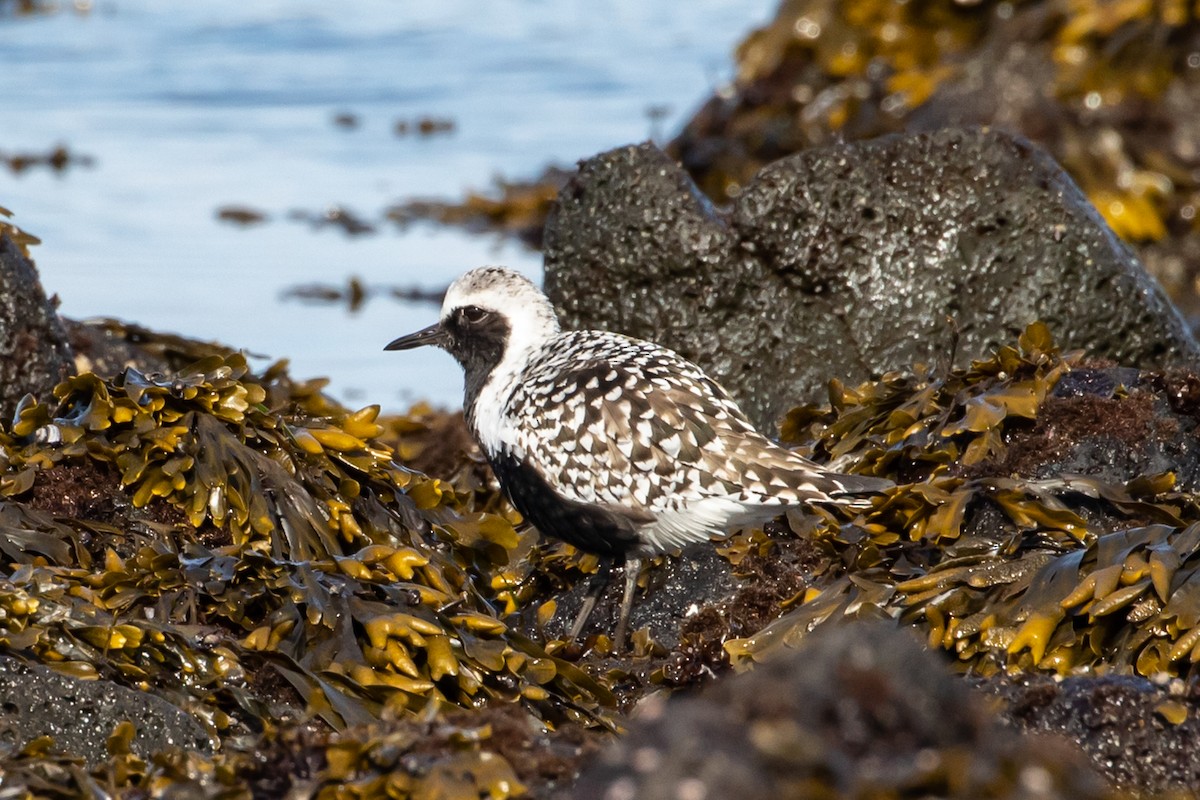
{"x":846,"y":261}
{"x":1138,"y":734}
{"x":1086,"y":427}
{"x":80,"y":715}
{"x":856,"y":711}
{"x":794,"y":92}
{"x":34,"y":354}
{"x":107,"y":346}
{"x":1095,"y":382}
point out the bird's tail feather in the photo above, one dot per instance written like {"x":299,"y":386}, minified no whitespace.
{"x":852,"y":485}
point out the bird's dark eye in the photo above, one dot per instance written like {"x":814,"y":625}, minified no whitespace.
{"x":474,"y":314}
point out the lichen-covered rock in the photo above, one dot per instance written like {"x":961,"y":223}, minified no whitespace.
{"x":847,"y":261}
{"x":34,"y":354}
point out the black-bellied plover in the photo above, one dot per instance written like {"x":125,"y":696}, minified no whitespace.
{"x":618,"y":446}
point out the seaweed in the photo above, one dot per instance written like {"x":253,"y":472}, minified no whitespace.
{"x":19,"y":237}
{"x":1008,"y":573}
{"x":339,"y":620}
{"x":299,"y":544}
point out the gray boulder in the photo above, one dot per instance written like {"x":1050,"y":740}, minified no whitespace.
{"x":856,"y":711}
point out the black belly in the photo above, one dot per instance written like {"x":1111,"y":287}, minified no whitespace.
{"x":591,"y":528}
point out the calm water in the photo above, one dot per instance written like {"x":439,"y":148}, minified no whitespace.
{"x":187,"y":107}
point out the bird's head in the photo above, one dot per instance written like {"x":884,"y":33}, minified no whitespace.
{"x":491,"y":316}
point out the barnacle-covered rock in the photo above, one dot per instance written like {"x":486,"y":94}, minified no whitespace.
{"x":106,"y":346}
{"x":846,"y":262}
{"x":81,"y":714}
{"x":1138,"y":732}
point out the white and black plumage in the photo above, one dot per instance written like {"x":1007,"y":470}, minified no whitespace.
{"x":618,"y":446}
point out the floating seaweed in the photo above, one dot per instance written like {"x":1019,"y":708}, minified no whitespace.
{"x":518,"y":208}
{"x":241,"y":215}
{"x":57,"y":159}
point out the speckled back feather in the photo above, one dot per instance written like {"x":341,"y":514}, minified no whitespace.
{"x":610,"y":420}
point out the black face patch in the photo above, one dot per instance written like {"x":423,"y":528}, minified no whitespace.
{"x":591,"y":528}
{"x":477,"y":338}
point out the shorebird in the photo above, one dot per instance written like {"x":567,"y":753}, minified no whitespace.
{"x":615,"y":445}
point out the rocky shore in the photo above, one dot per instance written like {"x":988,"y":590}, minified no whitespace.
{"x":923,"y":241}
{"x":248,"y":590}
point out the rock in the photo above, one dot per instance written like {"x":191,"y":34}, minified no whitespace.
{"x":846,"y":261}
{"x":855,"y":76}
{"x":1138,"y":734}
{"x":1111,"y":424}
{"x":34,"y":354}
{"x":856,"y":711}
{"x":107,"y":346}
{"x":80,"y":715}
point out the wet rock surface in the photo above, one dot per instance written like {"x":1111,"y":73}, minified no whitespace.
{"x":846,"y":261}
{"x":34,"y":354}
{"x":80,"y":715}
{"x":107,"y":346}
{"x":1116,"y":424}
{"x":1140,"y":734}
{"x":673,"y":592}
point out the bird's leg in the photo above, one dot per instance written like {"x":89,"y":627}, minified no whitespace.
{"x":596,"y":586}
{"x":633,"y":567}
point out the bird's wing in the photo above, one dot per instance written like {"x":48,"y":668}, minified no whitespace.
{"x":641,"y":428}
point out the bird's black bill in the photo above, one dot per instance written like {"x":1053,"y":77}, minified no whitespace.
{"x":435,"y":335}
